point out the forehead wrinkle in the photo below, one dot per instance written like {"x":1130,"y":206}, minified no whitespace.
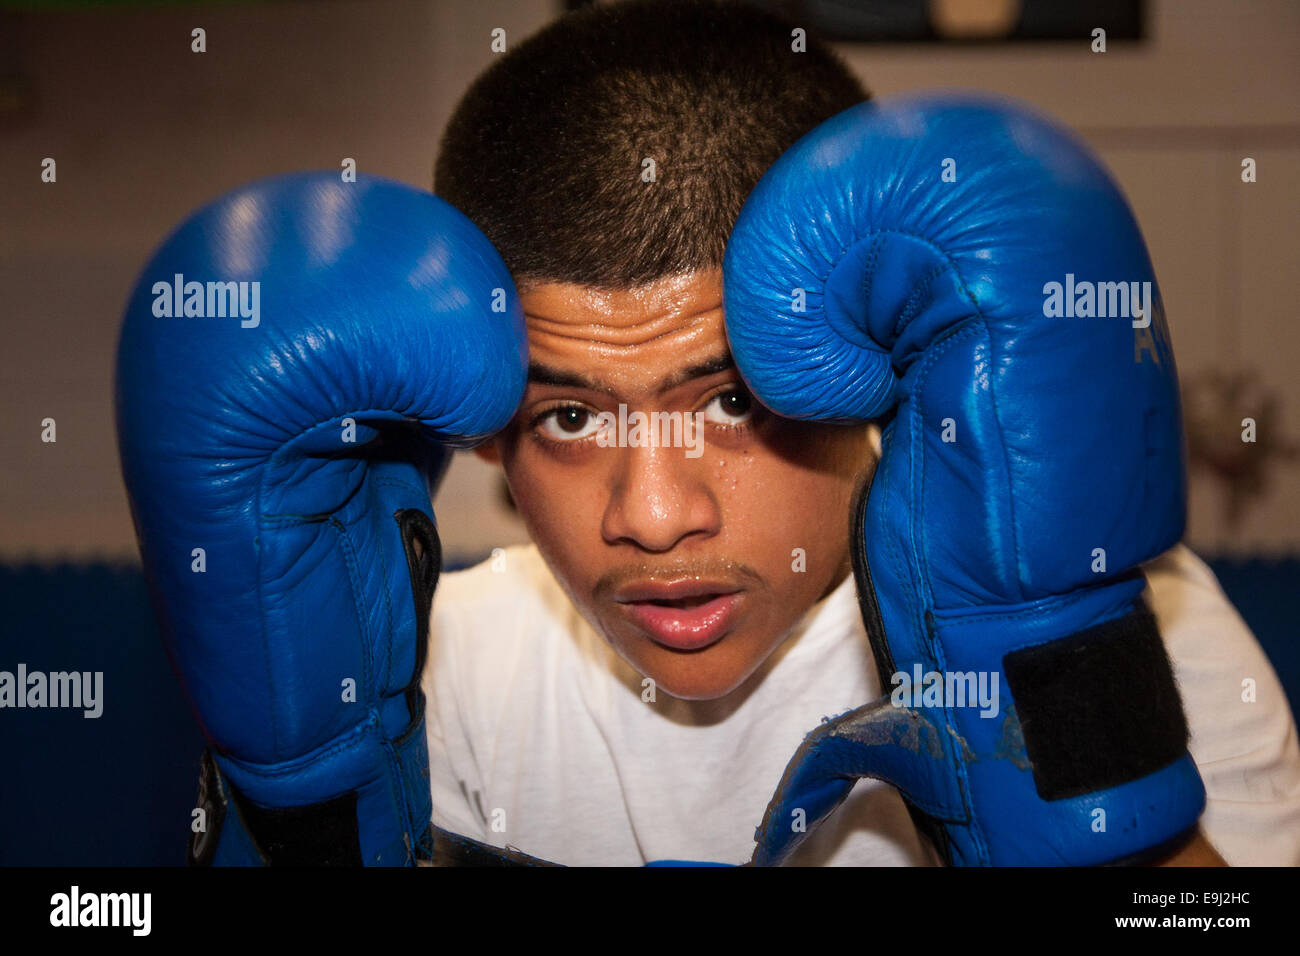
{"x":544,"y":374}
{"x":616,"y":336}
{"x":619,"y":339}
{"x":625,"y":317}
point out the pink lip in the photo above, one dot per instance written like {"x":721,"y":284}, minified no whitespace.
{"x":685,"y":628}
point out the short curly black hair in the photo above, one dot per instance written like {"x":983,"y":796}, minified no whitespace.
{"x":546,"y":151}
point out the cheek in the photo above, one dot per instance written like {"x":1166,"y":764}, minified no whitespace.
{"x":560,"y":504}
{"x":807,"y":512}
{"x":795,"y":494}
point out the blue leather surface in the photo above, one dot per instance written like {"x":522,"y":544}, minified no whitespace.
{"x":861,"y":284}
{"x":376,"y":306}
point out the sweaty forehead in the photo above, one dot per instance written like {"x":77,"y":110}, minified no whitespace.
{"x":626,"y":338}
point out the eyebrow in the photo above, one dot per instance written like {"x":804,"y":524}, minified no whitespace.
{"x":546,"y":375}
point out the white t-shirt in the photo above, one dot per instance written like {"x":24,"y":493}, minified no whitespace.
{"x":539,"y":737}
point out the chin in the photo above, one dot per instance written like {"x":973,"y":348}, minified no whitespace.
{"x":709,"y":674}
{"x":695,"y":690}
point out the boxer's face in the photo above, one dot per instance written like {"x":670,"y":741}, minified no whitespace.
{"x":683,"y":557}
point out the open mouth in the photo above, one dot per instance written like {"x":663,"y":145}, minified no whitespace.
{"x":686,"y":602}
{"x":684,"y":613}
{"x":688,"y":623}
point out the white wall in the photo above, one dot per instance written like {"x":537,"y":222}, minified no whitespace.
{"x":144,"y":130}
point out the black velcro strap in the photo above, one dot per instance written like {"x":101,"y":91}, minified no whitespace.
{"x":1098,"y":708}
{"x":322,"y":834}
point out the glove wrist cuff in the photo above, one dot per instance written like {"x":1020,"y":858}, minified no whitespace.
{"x":382,"y":821}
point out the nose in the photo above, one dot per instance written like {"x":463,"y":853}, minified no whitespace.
{"x":659,"y":498}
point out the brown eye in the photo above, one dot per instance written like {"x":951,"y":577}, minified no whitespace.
{"x":729,"y":408}
{"x":568,"y":423}
{"x":571,"y":420}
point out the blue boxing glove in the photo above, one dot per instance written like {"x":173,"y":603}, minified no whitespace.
{"x":295,"y":362}
{"x":966,"y":272}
